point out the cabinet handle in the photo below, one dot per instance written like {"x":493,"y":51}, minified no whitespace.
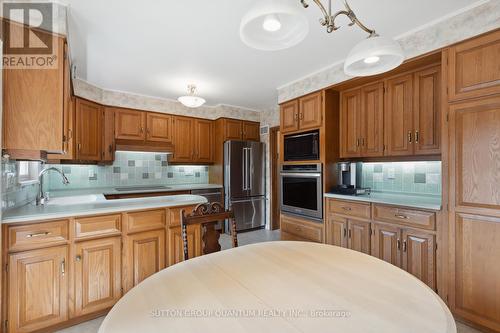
{"x":70,"y":134}
{"x":63,"y":267}
{"x":357,"y":142}
{"x":38,"y":234}
{"x":296,"y":116}
{"x":410,"y":137}
{"x":401,"y":216}
{"x":404,"y":246}
{"x":301,"y":117}
{"x":79,"y":146}
{"x":347,"y":208}
{"x":417,"y":136}
{"x":345,"y":232}
{"x":78,"y":258}
{"x":363,"y":142}
{"x":399,"y":244}
{"x":142,"y":130}
{"x":350,"y":233}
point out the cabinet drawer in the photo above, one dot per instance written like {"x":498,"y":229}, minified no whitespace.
{"x":413,"y":218}
{"x":174,"y":215}
{"x":95,"y":226}
{"x":302,"y":229}
{"x":37,"y":235}
{"x":349,"y":208}
{"x":145,"y":220}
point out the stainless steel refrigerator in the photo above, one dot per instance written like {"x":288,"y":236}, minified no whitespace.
{"x":244,"y":183}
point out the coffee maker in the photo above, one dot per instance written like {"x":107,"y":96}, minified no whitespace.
{"x":349,"y":179}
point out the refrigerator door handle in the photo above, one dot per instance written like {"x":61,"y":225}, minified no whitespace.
{"x":249,"y":168}
{"x":244,"y":172}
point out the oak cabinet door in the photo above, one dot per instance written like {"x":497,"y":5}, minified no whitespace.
{"x":251,"y":131}
{"x":143,"y":255}
{"x":130,"y":125}
{"x":97,"y":275}
{"x":336,"y":231}
{"x":473,"y":67}
{"x":108,"y":137}
{"x":159,"y":128}
{"x":359,"y":236}
{"x":399,"y":116}
{"x":38,"y":289}
{"x":387,"y":243}
{"x":183,"y":140}
{"x":427,"y":111}
{"x":351,"y":124}
{"x":89,"y":118}
{"x":289,"y":117}
{"x":310,"y":115}
{"x":372,"y":120}
{"x":176,"y":247}
{"x":419,"y":256}
{"x":475,"y":287}
{"x":233,"y":129}
{"x":204,"y":141}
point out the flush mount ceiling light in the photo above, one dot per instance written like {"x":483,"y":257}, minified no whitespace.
{"x":272,"y":25}
{"x":374,"y":55}
{"x":191,"y":101}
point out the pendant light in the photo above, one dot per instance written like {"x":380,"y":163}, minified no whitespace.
{"x":272,"y":25}
{"x":191,"y":101}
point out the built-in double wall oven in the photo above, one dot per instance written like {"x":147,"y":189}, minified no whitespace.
{"x":302,"y":190}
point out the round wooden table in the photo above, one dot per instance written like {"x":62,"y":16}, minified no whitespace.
{"x":281,"y":287}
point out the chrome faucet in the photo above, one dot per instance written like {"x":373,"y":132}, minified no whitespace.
{"x":42,"y":196}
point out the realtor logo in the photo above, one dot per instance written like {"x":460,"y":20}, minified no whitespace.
{"x":27,"y":35}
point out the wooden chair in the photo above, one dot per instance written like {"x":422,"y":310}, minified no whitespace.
{"x":207,"y":215}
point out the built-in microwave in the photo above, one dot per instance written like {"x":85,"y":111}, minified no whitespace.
{"x":301,"y":147}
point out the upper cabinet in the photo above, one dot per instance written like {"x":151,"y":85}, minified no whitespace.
{"x":362,"y":121}
{"x":159,"y":127}
{"x":193,"y":140}
{"x":130,"y":124}
{"x":233,"y":129}
{"x":400,"y":116}
{"x":89,"y":130}
{"x":304,"y":113}
{"x":473,"y":68}
{"x":36,"y":105}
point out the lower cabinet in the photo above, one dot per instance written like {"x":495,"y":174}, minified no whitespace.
{"x":143,"y":255}
{"x":408,"y":245}
{"x":97,"y":275}
{"x":298,"y":229}
{"x":176,"y":247}
{"x":38,"y":289}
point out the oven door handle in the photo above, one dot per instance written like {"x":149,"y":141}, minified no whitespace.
{"x":301,"y":175}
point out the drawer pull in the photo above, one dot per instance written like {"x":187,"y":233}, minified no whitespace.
{"x":78,"y":258}
{"x":38,"y":234}
{"x":347,"y":208}
{"x":404,"y":246}
{"x":298,"y":229}
{"x":350,"y":234}
{"x":345,"y":232}
{"x":400,"y":216}
{"x":63,"y":267}
{"x":399,"y":244}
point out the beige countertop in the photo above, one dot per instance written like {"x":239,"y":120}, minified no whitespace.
{"x":281,"y":287}
{"x":430,"y":202}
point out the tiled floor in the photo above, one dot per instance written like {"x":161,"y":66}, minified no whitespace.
{"x":225,"y":241}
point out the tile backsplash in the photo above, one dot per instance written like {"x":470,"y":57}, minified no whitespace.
{"x":129,"y":169}
{"x":403,"y":177}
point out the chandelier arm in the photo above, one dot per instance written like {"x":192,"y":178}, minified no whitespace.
{"x":323,"y":10}
{"x":354,"y":19}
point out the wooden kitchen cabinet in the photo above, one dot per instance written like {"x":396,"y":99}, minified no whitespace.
{"x":130,"y":124}
{"x":305,"y":113}
{"x":251,"y":131}
{"x":176,"y":247}
{"x":204,"y":141}
{"x":300,"y":229}
{"x":97,"y":275}
{"x":35,"y":102}
{"x":386,"y":243}
{"x":289,"y":113}
{"x":336,"y":231}
{"x":89,"y":130}
{"x":350,"y":130}
{"x":159,"y":127}
{"x":143,"y":255}
{"x":38,"y":289}
{"x":427,"y":111}
{"x":358,"y":236}
{"x":183,"y":140}
{"x":108,"y":136}
{"x":473,"y":67}
{"x":399,"y":116}
{"x":234,"y":129}
{"x":419,"y":255}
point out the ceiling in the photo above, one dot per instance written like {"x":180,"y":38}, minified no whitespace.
{"x":157,"y":47}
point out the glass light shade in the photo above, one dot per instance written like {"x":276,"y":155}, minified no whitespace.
{"x":294,"y":25}
{"x":191,"y":101}
{"x":374,"y":55}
